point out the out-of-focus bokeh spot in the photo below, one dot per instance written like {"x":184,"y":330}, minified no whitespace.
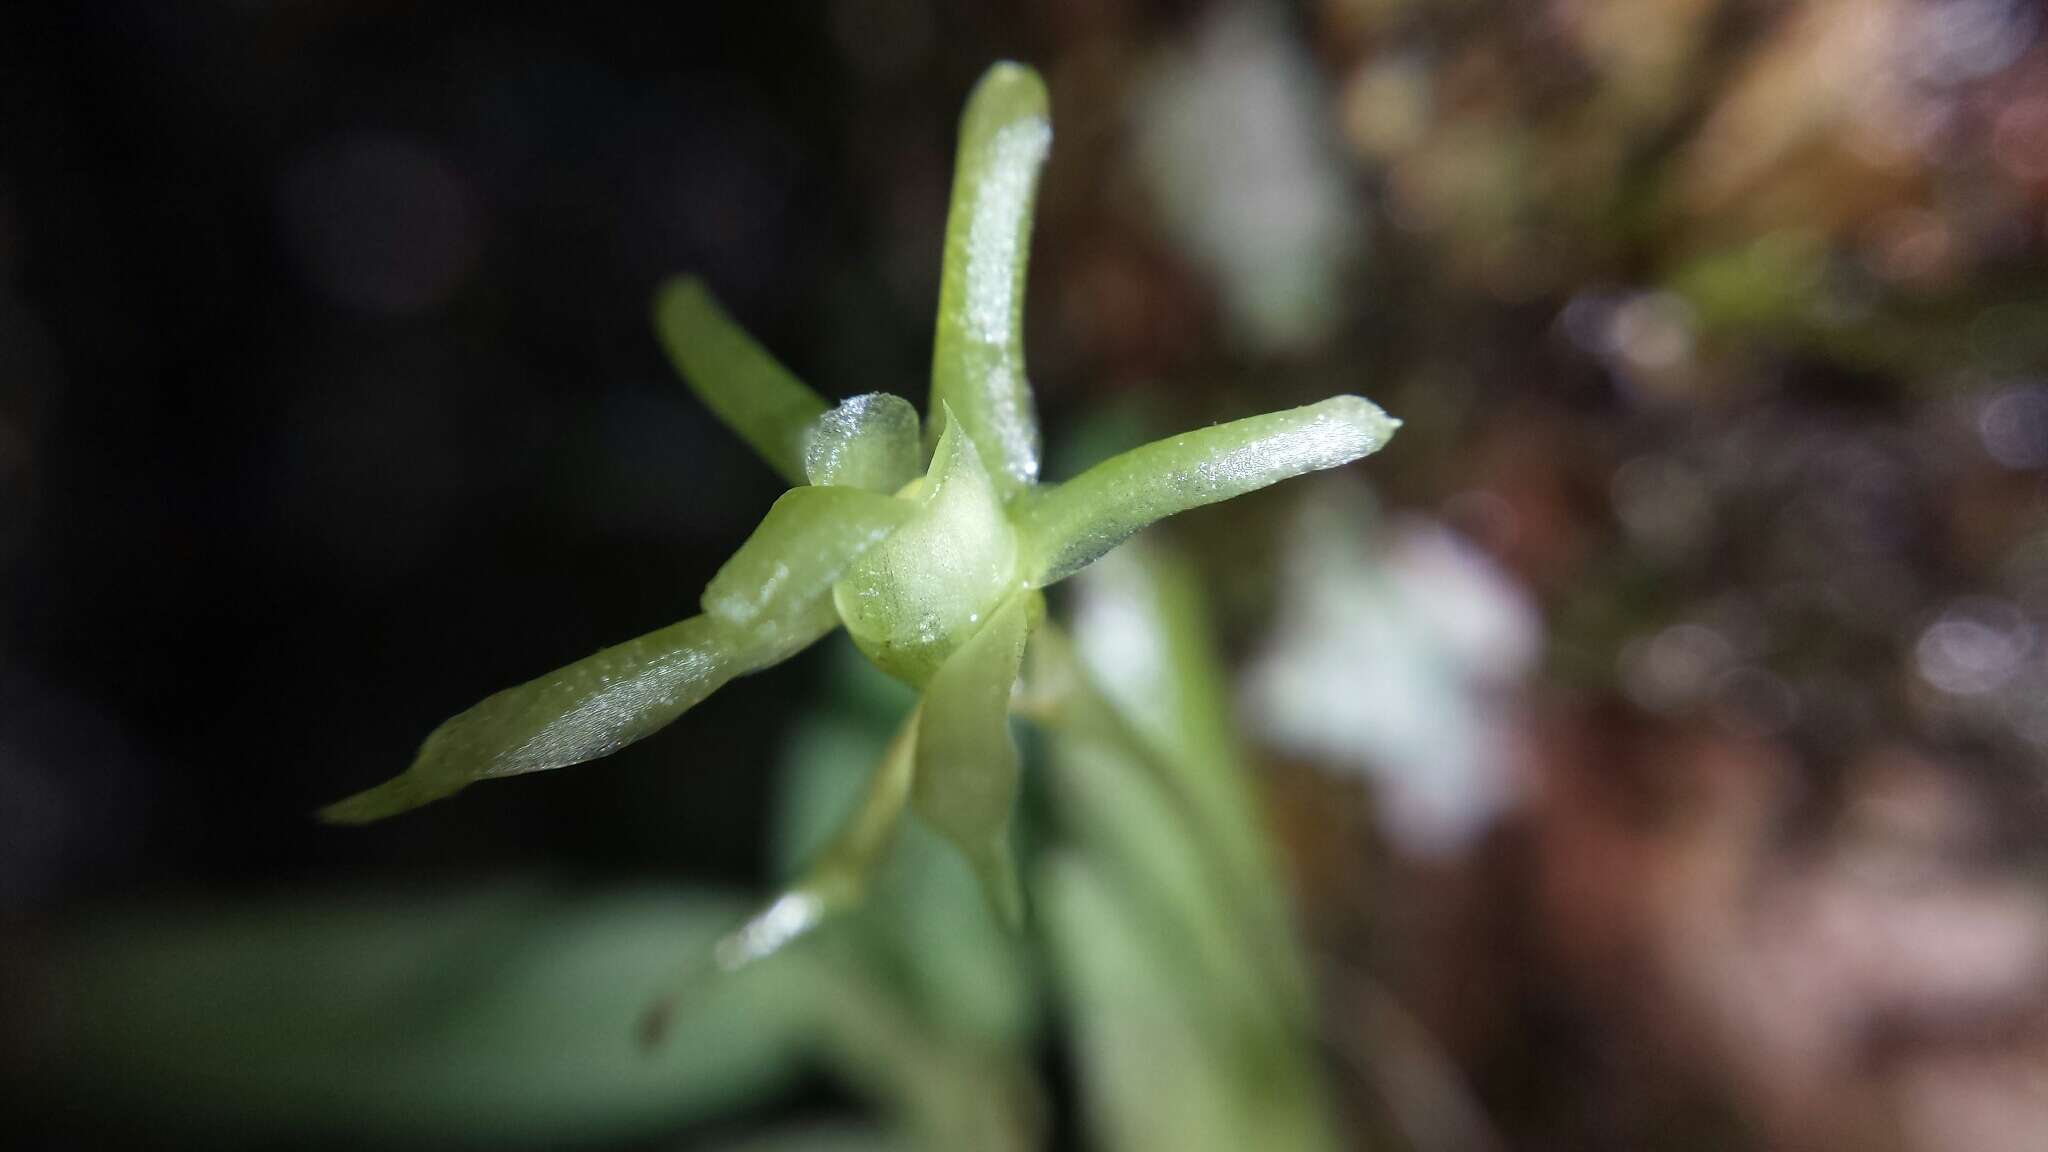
{"x":380,"y":223}
{"x":1234,"y":130}
{"x":1452,"y":640}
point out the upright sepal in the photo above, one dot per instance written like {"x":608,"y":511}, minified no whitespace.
{"x":978,"y":355}
{"x":735,"y":377}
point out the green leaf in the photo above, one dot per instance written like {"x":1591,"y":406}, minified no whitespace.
{"x":868,"y":442}
{"x":1141,"y":628}
{"x":1154,"y":1078}
{"x":1066,"y":527}
{"x":978,"y":355}
{"x":966,"y":760}
{"x":494,"y":1017}
{"x":1169,"y":924}
{"x":735,"y":377}
{"x":1217,"y":934}
{"x":785,"y":571}
{"x":588,"y":709}
{"x":1185,"y":832}
{"x":838,"y":879}
{"x":910,"y":601}
{"x":821,"y":775}
{"x":969,"y":970}
{"x":825,"y":1138}
{"x":950,"y":1092}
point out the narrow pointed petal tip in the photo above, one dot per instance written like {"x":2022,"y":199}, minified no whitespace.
{"x":1375,"y":427}
{"x":588,"y":709}
{"x":399,"y":794}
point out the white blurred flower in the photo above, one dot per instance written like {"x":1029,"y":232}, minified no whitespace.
{"x":1239,"y":149}
{"x":1393,"y":654}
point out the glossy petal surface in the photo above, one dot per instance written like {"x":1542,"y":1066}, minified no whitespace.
{"x":1067,"y":527}
{"x":735,"y":377}
{"x":978,"y":354}
{"x":869,"y":442}
{"x":910,"y":601}
{"x":588,"y":709}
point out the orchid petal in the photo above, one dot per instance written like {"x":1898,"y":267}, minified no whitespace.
{"x":786,"y":569}
{"x":909,"y":602}
{"x":736,"y":378}
{"x":868,"y":442}
{"x":978,"y":355}
{"x":1066,"y":528}
{"x":588,"y":709}
{"x":966,"y":761}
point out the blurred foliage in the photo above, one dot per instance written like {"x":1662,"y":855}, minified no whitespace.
{"x":1169,"y":875}
{"x":492,"y":1016}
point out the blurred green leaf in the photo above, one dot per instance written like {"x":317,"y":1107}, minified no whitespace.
{"x":497,"y":1017}
{"x":1141,"y":629}
{"x":952,"y":1091}
{"x":969,"y":971}
{"x":834,"y":1138}
{"x":1170,"y":932}
{"x":1176,"y":894}
{"x":1152,"y":1080}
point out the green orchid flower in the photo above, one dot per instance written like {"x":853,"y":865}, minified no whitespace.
{"x":934,"y":564}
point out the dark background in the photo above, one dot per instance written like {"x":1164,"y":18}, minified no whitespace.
{"x":333,"y":400}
